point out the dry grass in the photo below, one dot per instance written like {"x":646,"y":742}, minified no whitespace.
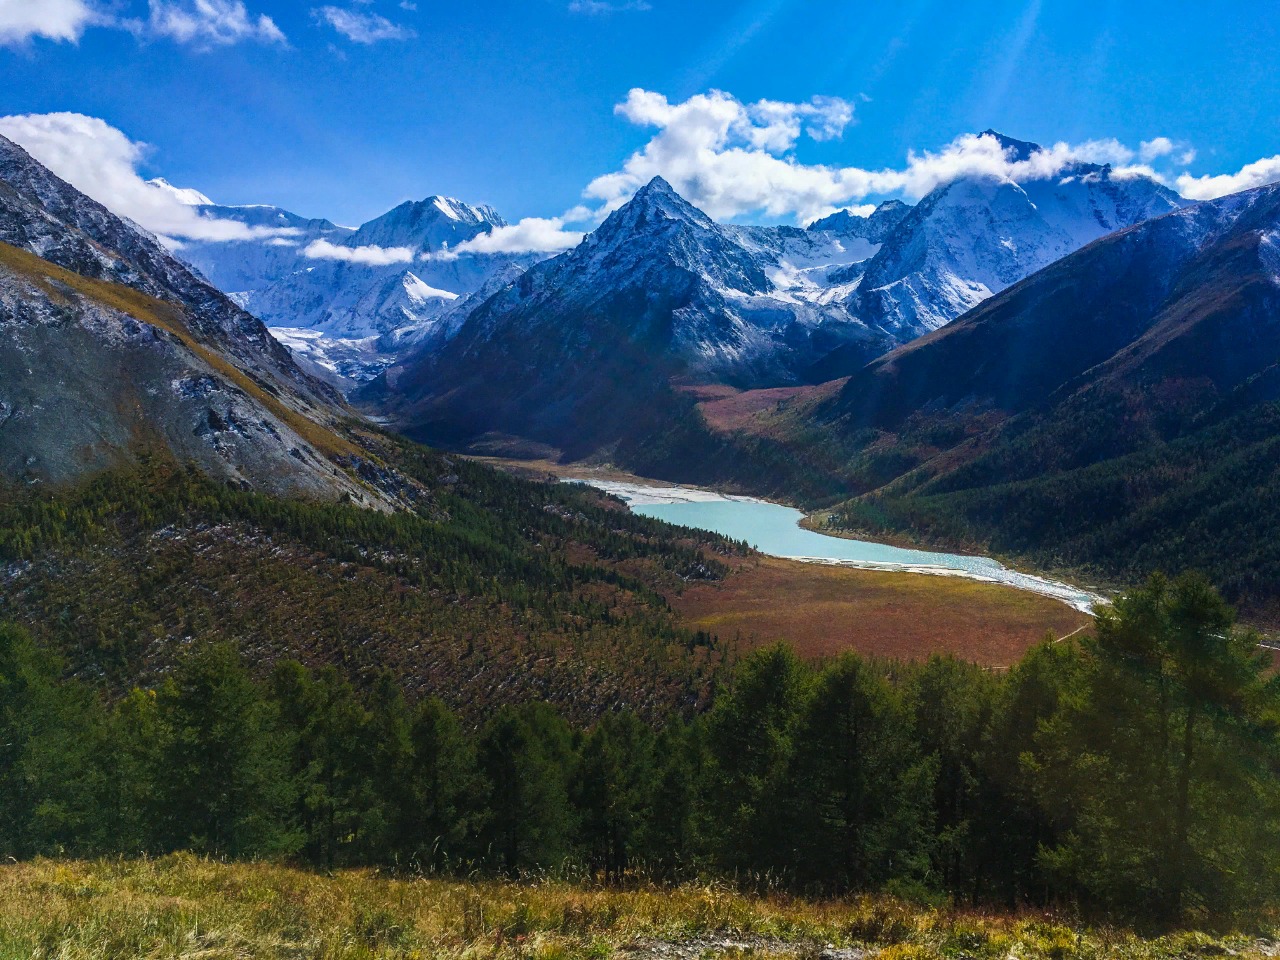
{"x":823,"y":610}
{"x":183,"y":907}
{"x":755,"y":411}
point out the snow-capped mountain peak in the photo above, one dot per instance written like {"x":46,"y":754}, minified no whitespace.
{"x":428,"y":225}
{"x":185,"y":195}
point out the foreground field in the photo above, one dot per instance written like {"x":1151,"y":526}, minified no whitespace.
{"x":823,"y":610}
{"x":183,"y":907}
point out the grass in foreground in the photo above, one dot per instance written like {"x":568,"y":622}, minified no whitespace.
{"x":181,"y":906}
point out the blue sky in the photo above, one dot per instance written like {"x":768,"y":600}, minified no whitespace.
{"x":513,"y":103}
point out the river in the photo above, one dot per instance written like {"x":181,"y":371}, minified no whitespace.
{"x":775,"y":530}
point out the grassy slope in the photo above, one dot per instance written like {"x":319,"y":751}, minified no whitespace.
{"x":179,"y":906}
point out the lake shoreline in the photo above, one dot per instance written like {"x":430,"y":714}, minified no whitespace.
{"x":671,"y":502}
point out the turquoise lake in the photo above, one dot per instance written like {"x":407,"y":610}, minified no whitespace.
{"x":775,"y":529}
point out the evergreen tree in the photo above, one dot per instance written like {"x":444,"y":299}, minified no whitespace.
{"x":749,"y":739}
{"x":1014,"y":826}
{"x":326,"y":730}
{"x":525,"y":756}
{"x":225,"y":787}
{"x":53,"y":743}
{"x":950,"y":705}
{"x":859,"y":789}
{"x":135,"y":799}
{"x":669,"y":839}
{"x":443,"y":811}
{"x":613,"y":791}
{"x":1164,"y":758}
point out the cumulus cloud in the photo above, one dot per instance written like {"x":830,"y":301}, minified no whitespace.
{"x":530,"y":235}
{"x":210,"y":23}
{"x":733,"y":158}
{"x":366,"y":28}
{"x":1150,"y":150}
{"x":596,"y":7}
{"x":1256,"y":174}
{"x":20,"y":20}
{"x":101,"y":161}
{"x":369,"y":256}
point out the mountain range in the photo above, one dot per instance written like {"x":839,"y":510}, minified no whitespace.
{"x":345,"y":308}
{"x":582,"y":352}
{"x":820,"y":301}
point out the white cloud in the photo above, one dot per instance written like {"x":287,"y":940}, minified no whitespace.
{"x":1256,"y":174}
{"x":1150,"y":150}
{"x":210,"y":23}
{"x":369,"y":256}
{"x":733,"y":158}
{"x":364,"y":28}
{"x":20,"y":20}
{"x":530,"y":235}
{"x":99,"y":160}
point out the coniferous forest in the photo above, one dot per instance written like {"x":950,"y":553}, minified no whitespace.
{"x":1132,"y":773}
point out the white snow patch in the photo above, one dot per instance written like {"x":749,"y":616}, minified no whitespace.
{"x":184,"y":195}
{"x":445,"y":206}
{"x":419,"y":290}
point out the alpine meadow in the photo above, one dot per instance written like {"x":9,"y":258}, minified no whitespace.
{"x":634,"y":480}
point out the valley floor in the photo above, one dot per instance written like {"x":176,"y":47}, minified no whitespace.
{"x":181,"y":906}
{"x":823,"y":610}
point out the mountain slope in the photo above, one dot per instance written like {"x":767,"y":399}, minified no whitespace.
{"x":113,"y":349}
{"x":974,"y":236}
{"x":582,"y":351}
{"x":1119,"y":408}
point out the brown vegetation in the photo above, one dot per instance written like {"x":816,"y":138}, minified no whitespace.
{"x":823,"y":610}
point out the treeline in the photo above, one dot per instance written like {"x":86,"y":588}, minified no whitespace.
{"x":1134,"y":773}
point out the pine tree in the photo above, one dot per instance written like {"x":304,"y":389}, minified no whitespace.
{"x":613,"y":791}
{"x":327,"y":732}
{"x":859,"y":800}
{"x":225,"y":785}
{"x":950,"y":705}
{"x":750,"y":738}
{"x":525,"y":755}
{"x":53,"y":756}
{"x":669,"y":839}
{"x":443,"y":812}
{"x":1164,"y":759}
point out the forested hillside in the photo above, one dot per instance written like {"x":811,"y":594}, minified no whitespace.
{"x":1135,"y":773}
{"x":1114,"y":414}
{"x":490,"y":589}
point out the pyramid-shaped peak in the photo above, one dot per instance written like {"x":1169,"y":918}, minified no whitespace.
{"x":658,"y":196}
{"x":654,"y":204}
{"x":658,"y":186}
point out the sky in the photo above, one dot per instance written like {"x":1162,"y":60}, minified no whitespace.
{"x":556,"y":110}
